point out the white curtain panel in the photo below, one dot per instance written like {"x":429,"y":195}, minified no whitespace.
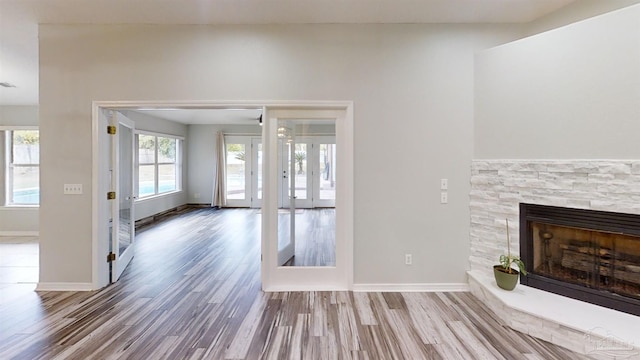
{"x":220,"y":173}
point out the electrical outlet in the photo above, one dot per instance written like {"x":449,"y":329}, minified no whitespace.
{"x":72,"y":189}
{"x":408,"y":259}
{"x":444,"y":184}
{"x":444,"y":197}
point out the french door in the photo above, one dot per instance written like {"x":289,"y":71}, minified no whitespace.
{"x":243,"y":171}
{"x":308,"y":166}
{"x":122,"y":176}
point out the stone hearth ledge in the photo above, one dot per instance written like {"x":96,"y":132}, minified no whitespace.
{"x":584,"y":328}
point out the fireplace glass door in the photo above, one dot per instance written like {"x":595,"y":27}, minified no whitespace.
{"x":594,"y":259}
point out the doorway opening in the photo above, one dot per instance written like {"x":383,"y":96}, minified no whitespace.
{"x":254,"y":185}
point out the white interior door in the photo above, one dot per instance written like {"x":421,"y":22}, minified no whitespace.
{"x":287,"y":216}
{"x":280,"y":122}
{"x":122,"y":208}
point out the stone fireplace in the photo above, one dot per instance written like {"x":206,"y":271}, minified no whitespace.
{"x":588,"y":255}
{"x":498,"y":187}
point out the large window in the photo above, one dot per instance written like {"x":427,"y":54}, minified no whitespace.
{"x":23,"y":167}
{"x":158,"y":165}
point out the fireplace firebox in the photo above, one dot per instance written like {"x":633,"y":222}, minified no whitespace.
{"x":589,"y":255}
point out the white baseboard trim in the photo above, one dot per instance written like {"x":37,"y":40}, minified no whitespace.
{"x":435,"y":287}
{"x":64,"y":286}
{"x":290,"y":287}
{"x":19,"y":233}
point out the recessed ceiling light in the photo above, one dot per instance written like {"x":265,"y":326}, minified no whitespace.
{"x":7,"y":85}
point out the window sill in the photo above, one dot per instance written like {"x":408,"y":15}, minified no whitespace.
{"x":20,"y":207}
{"x":157,"y":196}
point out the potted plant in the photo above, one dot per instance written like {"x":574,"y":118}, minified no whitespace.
{"x":506,"y":276}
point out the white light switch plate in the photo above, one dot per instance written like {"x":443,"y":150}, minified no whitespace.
{"x":444,"y":197}
{"x":444,"y":184}
{"x":72,"y":189}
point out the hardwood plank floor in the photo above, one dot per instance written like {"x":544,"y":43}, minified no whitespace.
{"x":315,"y":237}
{"x":193,"y":292}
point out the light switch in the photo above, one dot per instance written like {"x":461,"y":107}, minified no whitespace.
{"x":73,"y":189}
{"x":444,"y":184}
{"x":444,"y":197}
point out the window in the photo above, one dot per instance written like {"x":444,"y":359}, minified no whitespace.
{"x":23,"y":167}
{"x":158,"y":165}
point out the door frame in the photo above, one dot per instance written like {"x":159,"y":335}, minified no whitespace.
{"x":296,"y":278}
{"x":273,"y":278}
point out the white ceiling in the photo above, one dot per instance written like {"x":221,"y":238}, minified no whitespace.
{"x":19,"y":19}
{"x":207,"y":116}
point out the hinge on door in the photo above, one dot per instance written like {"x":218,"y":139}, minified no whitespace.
{"x":111,"y":195}
{"x":111,"y":257}
{"x":111,"y":130}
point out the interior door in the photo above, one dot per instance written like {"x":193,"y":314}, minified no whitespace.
{"x":287,"y":215}
{"x":123,"y":220}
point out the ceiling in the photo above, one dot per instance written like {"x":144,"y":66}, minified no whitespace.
{"x":19,"y":19}
{"x":207,"y":116}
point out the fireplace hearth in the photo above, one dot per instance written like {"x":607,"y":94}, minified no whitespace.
{"x":593,"y":256}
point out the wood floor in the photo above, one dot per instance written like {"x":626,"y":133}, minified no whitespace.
{"x":315,"y":237}
{"x":193,"y":292}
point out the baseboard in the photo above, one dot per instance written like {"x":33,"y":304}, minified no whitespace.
{"x":289,"y":288}
{"x":19,"y":233}
{"x":155,"y":218}
{"x":66,"y":286}
{"x":430,"y":287}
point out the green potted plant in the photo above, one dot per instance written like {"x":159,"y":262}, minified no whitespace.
{"x":506,"y":276}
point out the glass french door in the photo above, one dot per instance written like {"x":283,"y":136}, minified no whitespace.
{"x":243,"y":171}
{"x":324,"y":174}
{"x":256,"y":172}
{"x":310,"y":160}
{"x":123,"y":224}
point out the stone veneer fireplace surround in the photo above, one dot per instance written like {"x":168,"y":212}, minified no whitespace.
{"x":497,"y":189}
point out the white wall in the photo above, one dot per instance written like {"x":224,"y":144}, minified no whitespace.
{"x":573,"y":92}
{"x":155,"y":205}
{"x":576,"y":11}
{"x":15,"y":220}
{"x":202,"y":160}
{"x":412,"y":86}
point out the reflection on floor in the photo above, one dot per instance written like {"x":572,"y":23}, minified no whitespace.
{"x":315,"y":237}
{"x":19,"y":263}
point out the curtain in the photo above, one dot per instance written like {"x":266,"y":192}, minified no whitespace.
{"x":220,"y":173}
